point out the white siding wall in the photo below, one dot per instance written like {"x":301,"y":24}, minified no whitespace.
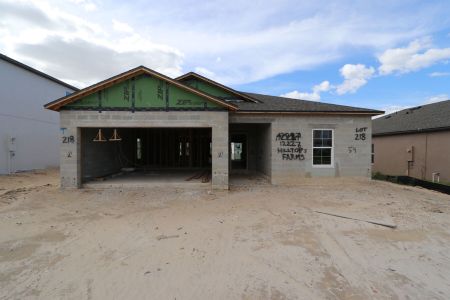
{"x":22,"y":115}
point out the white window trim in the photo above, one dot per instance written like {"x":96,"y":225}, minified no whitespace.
{"x":332,"y":149}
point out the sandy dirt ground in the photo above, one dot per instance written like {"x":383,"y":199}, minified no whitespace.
{"x":254,"y":242}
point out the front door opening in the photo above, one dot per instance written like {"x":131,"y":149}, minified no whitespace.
{"x":238,"y":151}
{"x":250,"y":150}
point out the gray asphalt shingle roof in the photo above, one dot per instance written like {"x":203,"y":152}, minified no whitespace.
{"x":282,"y":104}
{"x":430,"y":117}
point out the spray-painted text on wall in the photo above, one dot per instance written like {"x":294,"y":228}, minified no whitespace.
{"x":360,"y":134}
{"x":290,"y":146}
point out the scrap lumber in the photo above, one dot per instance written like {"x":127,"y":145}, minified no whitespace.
{"x":393,"y":226}
{"x":206,"y":177}
{"x":165,"y":237}
{"x":196,"y":175}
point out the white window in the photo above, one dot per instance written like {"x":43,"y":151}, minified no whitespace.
{"x":323,"y":147}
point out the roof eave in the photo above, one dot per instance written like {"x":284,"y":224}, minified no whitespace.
{"x":368,"y":113}
{"x":426,"y":130}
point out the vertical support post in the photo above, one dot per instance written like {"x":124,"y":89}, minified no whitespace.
{"x":70,"y":163}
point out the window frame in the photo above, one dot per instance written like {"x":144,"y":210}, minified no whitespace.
{"x":331,"y":165}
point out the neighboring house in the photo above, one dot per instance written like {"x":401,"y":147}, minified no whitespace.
{"x":414,"y":142}
{"x":148,"y":121}
{"x":29,"y":135}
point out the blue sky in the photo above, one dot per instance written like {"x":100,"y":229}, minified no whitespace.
{"x":379,"y":54}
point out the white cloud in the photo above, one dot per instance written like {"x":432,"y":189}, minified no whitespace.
{"x":252,"y":43}
{"x":417,"y":55}
{"x":205,"y":72}
{"x":391,"y":109}
{"x":324,"y":86}
{"x":73,"y":49}
{"x":436,"y":98}
{"x":303,"y":96}
{"x":395,"y":60}
{"x":90,"y":6}
{"x":276,"y":37}
{"x":355,"y":76}
{"x":439,"y":74}
{"x":86,"y":4}
{"x":122,"y":27}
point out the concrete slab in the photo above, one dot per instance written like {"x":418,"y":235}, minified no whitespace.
{"x":248,"y":179}
{"x":148,"y":179}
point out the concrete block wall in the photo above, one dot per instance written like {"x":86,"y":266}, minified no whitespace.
{"x":351,"y":154}
{"x":265,"y":165}
{"x":98,"y":158}
{"x":72,"y":121}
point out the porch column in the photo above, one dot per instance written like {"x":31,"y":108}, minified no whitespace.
{"x":220,"y":153}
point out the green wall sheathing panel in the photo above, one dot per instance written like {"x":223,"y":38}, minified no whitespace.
{"x":209,"y":88}
{"x":144,"y":92}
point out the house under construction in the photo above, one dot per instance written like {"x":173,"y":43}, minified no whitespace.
{"x":142,"y":125}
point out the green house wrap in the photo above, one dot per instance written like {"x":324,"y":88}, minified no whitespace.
{"x":145,"y":92}
{"x":209,"y":88}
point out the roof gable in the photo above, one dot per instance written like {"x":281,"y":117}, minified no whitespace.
{"x":213,"y":87}
{"x":88,"y":95}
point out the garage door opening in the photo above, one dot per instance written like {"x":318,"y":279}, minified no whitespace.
{"x":141,"y":156}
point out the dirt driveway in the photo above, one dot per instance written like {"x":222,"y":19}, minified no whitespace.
{"x":254,"y":242}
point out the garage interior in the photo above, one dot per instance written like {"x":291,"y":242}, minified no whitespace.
{"x":143,"y":155}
